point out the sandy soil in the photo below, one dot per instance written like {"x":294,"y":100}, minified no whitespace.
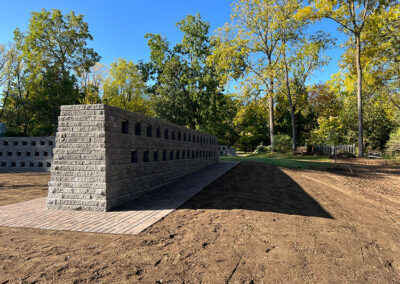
{"x":18,"y":187}
{"x":257,"y":224}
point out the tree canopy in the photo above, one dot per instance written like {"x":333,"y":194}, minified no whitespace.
{"x":246,"y":82}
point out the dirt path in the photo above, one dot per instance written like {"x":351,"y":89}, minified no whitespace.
{"x":257,"y":223}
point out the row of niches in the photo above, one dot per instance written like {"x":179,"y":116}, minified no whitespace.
{"x":13,"y":164}
{"x":165,"y":155}
{"x":26,"y":154}
{"x":167,"y":134}
{"x":27,"y":143}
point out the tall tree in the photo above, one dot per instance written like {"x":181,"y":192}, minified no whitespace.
{"x":52,"y":48}
{"x":57,"y":41}
{"x":91,"y":83}
{"x":352,"y":17}
{"x":382,"y":52}
{"x":247,"y":49}
{"x":302,"y":55}
{"x":181,"y":77}
{"x":125,"y":88}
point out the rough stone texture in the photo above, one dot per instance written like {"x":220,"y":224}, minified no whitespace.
{"x":26,"y":154}
{"x":101,"y":160}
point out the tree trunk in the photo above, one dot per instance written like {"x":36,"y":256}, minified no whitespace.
{"x":359,"y":97}
{"x":271,"y":121}
{"x":289,"y":96}
{"x":293,"y":126}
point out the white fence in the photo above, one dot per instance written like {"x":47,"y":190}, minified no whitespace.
{"x":330,"y":149}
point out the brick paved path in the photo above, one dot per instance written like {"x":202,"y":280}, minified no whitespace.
{"x":131,"y":218}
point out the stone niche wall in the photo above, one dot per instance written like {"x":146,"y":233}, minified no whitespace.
{"x":26,"y":154}
{"x":105,"y":156}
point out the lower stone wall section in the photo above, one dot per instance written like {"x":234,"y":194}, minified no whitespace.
{"x":26,"y":154}
{"x":105,"y":156}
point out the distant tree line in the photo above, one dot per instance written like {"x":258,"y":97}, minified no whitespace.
{"x":246,"y":83}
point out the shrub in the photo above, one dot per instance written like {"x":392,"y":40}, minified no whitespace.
{"x":262,"y":149}
{"x":283,"y":143}
{"x":393,"y":145}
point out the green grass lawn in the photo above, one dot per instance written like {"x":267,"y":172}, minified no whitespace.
{"x":284,"y":160}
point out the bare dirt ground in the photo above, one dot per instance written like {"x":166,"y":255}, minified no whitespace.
{"x":257,"y":224}
{"x":18,"y":187}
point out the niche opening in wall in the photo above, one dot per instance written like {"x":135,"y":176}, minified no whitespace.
{"x":138,"y":129}
{"x":125,"y":126}
{"x":149,"y":131}
{"x":134,"y":157}
{"x":146,"y":156}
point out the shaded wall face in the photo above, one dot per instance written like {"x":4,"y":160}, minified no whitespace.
{"x":105,"y":156}
{"x":26,"y":154}
{"x":144,"y":153}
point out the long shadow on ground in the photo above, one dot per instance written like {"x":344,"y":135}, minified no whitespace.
{"x":250,"y":186}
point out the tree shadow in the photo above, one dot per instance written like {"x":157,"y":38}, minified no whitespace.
{"x":249,"y":186}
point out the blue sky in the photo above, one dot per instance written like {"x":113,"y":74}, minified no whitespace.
{"x":118,"y":27}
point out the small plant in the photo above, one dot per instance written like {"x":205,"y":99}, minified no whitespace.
{"x":283,"y":143}
{"x":262,"y":149}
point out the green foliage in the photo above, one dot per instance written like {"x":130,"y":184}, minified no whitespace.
{"x":124,"y":87}
{"x":40,"y":68}
{"x":184,"y":87}
{"x":56,"y":40}
{"x":262,"y":149}
{"x":54,"y":90}
{"x":324,"y":101}
{"x":282,"y":143}
{"x":267,"y":52}
{"x":329,"y":131}
{"x":393,"y":145}
{"x":252,"y":123}
{"x":91,"y":84}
